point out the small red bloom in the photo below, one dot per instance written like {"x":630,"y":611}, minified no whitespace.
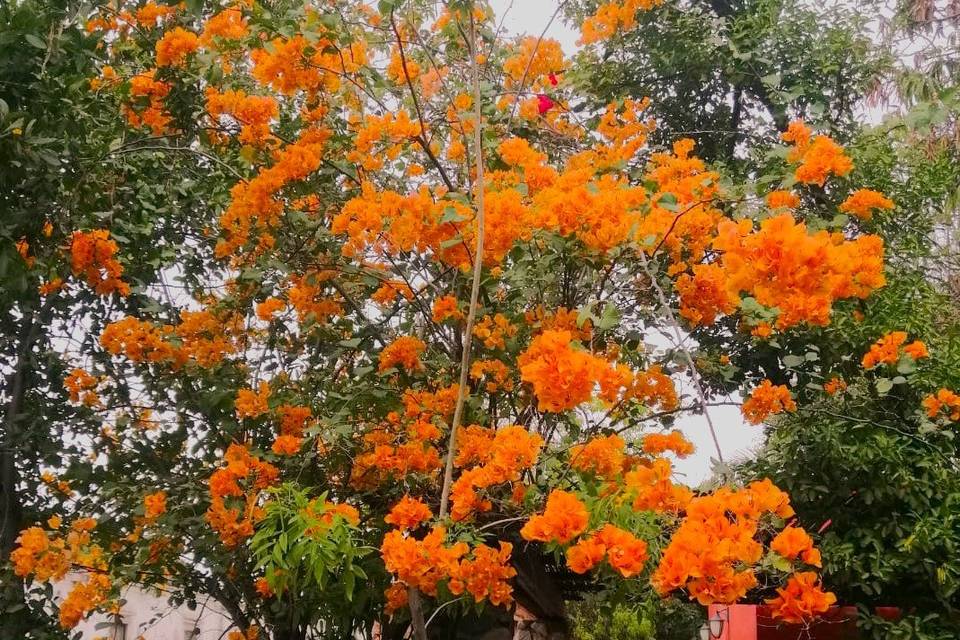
{"x":544,"y":103}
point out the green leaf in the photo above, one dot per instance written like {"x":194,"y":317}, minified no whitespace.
{"x":35,"y":41}
{"x":884,"y":385}
{"x":793,"y":361}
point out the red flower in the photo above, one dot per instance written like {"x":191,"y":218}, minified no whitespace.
{"x":544,"y":103}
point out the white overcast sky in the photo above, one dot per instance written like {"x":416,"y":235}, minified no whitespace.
{"x":737,"y":439}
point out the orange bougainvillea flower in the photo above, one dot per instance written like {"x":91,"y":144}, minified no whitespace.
{"x":657,"y":443}
{"x":564,"y":519}
{"x":502,"y":456}
{"x":626,"y":553}
{"x":81,"y":386}
{"x":794,"y":542}
{"x":712,"y":553}
{"x":863,"y":202}
{"x":887,"y":350}
{"x":767,"y":400}
{"x":801,"y":599}
{"x":286,"y":445}
{"x":270,"y":307}
{"x":817,"y":157}
{"x":833,"y":385}
{"x":404,"y":352}
{"x":612,"y":17}
{"x":174,"y":47}
{"x":782,"y":199}
{"x":586,"y":554}
{"x":603,"y":456}
{"x":396,"y":596}
{"x":253,"y":404}
{"x":801,"y":274}
{"x":916,"y":350}
{"x":446,"y":308}
{"x":92,"y":256}
{"x":409,"y":513}
{"x":561,"y":375}
{"x":155,"y":505}
{"x":485,"y":576}
{"x":263,"y":588}
{"x":623,"y":551}
{"x":651,"y":488}
{"x":943,"y":399}
{"x":422,"y":564}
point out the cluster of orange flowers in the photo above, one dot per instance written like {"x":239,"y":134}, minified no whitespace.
{"x":604,"y":456}
{"x":405,"y":444}
{"x":235,"y":523}
{"x":93,"y":257}
{"x":485,"y":576}
{"x":887,"y":350}
{"x":564,"y":518}
{"x":148,"y":108}
{"x":404,"y":352}
{"x":792,"y":543}
{"x":686,"y":227}
{"x":766,"y":400}
{"x":424,"y":564}
{"x":563,"y":376}
{"x":782,"y":200}
{"x":174,"y":47}
{"x":652,"y":488}
{"x":498,"y":457}
{"x":203,"y":338}
{"x":834,"y":385}
{"x":255,"y":202}
{"x":713,"y":550}
{"x":408,"y":514}
{"x":597,"y":210}
{"x":292,"y":65}
{"x":50,"y":558}
{"x":863,"y":202}
{"x":306,"y":296}
{"x":494,"y":372}
{"x":293,"y":421}
{"x":533,"y":61}
{"x":228,"y":25}
{"x":626,"y":553}
{"x":253,"y":113}
{"x":657,"y":443}
{"x":252,"y":403}
{"x":322,"y":514}
{"x":154,"y":505}
{"x":801,"y":599}
{"x":943,"y":399}
{"x":494,"y":330}
{"x":446,"y":308}
{"x":270,"y":307}
{"x":382,"y":137}
{"x":390,"y":290}
{"x":817,"y":157}
{"x":82,"y":388}
{"x":612,"y":17}
{"x":783,"y":267}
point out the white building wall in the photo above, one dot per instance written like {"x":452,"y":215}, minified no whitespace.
{"x":147,"y":615}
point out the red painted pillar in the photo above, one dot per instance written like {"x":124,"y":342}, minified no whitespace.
{"x":739,"y":620}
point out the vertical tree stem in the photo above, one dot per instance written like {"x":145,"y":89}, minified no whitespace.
{"x":477,"y":268}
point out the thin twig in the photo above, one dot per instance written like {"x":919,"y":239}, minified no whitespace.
{"x":477,"y":268}
{"x":694,"y":374}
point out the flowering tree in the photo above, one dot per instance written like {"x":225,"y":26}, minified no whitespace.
{"x":415,"y":324}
